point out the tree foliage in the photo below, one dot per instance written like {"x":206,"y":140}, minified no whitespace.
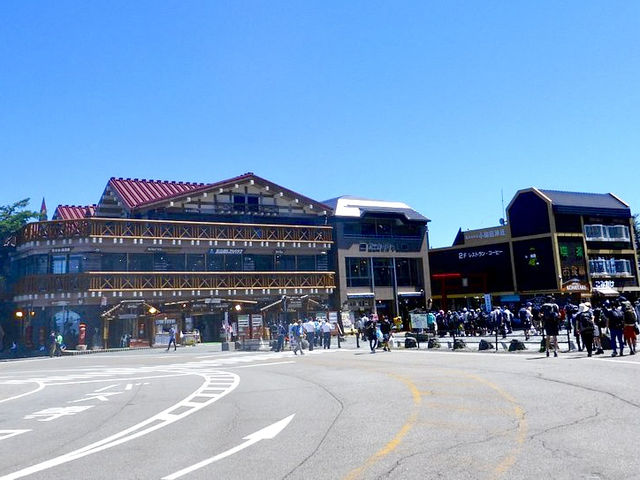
{"x":13,"y":217}
{"x":636,"y":229}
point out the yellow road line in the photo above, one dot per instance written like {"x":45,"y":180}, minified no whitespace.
{"x":397,"y":439}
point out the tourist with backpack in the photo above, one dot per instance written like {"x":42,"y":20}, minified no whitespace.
{"x":524,"y":314}
{"x":585,"y":326}
{"x":630,"y":320}
{"x":615,"y":325}
{"x":551,"y":321}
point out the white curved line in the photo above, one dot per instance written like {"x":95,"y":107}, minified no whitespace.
{"x":162,"y":419}
{"x":40,"y":387}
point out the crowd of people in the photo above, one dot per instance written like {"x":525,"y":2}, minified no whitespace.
{"x":609,"y":324}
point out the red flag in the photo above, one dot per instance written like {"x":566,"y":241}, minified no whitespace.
{"x":43,"y":211}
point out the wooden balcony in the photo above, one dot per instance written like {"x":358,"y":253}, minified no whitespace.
{"x":173,"y":281}
{"x":172,"y":230}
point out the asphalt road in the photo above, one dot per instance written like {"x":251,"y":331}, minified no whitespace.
{"x":337,"y":414}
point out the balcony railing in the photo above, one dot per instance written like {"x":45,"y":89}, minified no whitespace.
{"x":155,"y":281}
{"x":171,"y":230}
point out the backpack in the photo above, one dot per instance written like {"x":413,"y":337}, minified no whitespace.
{"x":522,"y":313}
{"x":586,"y":321}
{"x":629,"y":315}
{"x":549,"y":312}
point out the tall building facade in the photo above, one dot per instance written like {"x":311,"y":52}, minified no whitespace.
{"x":563,"y":243}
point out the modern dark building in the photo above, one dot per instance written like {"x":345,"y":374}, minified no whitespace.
{"x":381,"y":253}
{"x":565,"y":243}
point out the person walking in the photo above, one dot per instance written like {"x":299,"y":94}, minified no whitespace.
{"x":296,"y":337}
{"x":310,"y":331}
{"x":372,"y":335}
{"x":172,"y":338}
{"x":630,"y":320}
{"x":551,"y":321}
{"x":385,"y":328}
{"x":282,"y":332}
{"x":585,"y":326}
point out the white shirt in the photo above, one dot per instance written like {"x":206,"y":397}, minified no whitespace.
{"x":327,"y":327}
{"x":309,"y":326}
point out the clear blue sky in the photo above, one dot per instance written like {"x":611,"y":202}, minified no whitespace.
{"x":438,"y":104}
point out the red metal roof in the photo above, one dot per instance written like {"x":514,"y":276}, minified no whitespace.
{"x":136,"y":193}
{"x":74,"y":212}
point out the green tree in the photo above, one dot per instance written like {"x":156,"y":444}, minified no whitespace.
{"x":636,"y":229}
{"x":13,"y":217}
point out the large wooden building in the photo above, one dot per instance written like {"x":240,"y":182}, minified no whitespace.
{"x":150,"y":254}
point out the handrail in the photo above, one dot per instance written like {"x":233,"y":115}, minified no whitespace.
{"x":172,"y":230}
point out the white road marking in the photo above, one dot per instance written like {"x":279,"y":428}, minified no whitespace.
{"x":40,"y":387}
{"x":149,"y":425}
{"x":128,"y":387}
{"x":106,"y":388}
{"x":49,"y":414}
{"x":263,"y":364}
{"x":4,"y":434}
{"x":266,"y":433}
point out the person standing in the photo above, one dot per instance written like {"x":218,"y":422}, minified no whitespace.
{"x":359,"y":325}
{"x":372,"y":336}
{"x":630,"y":324}
{"x":59,"y":341}
{"x":52,"y":345}
{"x":385,"y":328}
{"x":615,"y":325}
{"x":326,"y":333}
{"x":551,"y":320}
{"x":585,"y":326}
{"x":172,"y":338}
{"x":525,"y":316}
{"x":310,"y":330}
{"x":281,"y":334}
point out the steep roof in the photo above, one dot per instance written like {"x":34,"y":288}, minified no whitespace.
{"x":138,"y":194}
{"x":586,"y":203}
{"x":350,"y":206}
{"x":73,"y":212}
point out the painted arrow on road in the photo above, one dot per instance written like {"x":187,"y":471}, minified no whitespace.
{"x":266,"y":433}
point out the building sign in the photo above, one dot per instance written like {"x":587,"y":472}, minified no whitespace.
{"x":377,"y":247}
{"x":573,"y":266}
{"x":61,"y":250}
{"x":243,"y":321}
{"x":574,"y":285}
{"x":256,"y":320}
{"x":226,"y":251}
{"x":473,"y":254}
{"x":485,"y":234}
{"x":294,"y":304}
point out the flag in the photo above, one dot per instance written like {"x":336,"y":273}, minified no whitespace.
{"x":43,"y":211}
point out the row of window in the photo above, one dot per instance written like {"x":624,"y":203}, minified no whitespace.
{"x":610,"y":267}
{"x":607,"y":233}
{"x":408,"y":272}
{"x":166,"y":262}
{"x":382,"y":228}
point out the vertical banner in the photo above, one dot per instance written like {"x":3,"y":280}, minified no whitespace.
{"x":487,"y":302}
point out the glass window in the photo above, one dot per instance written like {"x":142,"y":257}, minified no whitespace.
{"x":75,"y":263}
{"x":58,"y":264}
{"x":285,"y":263}
{"x":195,"y":263}
{"x":263,"y":263}
{"x":165,"y":262}
{"x":215,"y":263}
{"x":306,"y":263}
{"x":409,"y":272}
{"x":322,"y":262}
{"x":382,"y":272}
{"x":140,"y":262}
{"x":114,"y":262}
{"x":233,"y":263}
{"x":358,"y":272}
